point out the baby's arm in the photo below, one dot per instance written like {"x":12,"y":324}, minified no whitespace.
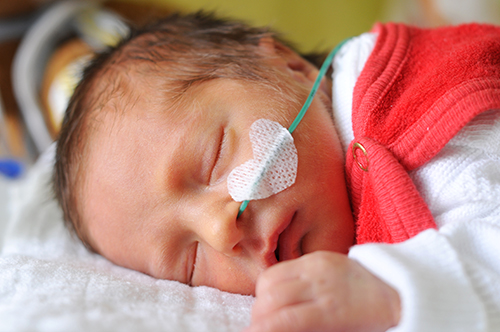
{"x":323,"y":291}
{"x":449,"y":280}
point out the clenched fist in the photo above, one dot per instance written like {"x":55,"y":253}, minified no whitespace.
{"x":323,"y":291}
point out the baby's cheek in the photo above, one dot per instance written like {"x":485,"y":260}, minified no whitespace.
{"x":230,"y":274}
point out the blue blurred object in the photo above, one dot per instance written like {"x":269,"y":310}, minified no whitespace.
{"x":11,"y":168}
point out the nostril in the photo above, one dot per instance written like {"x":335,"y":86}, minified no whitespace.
{"x":236,"y":250}
{"x":276,"y":253}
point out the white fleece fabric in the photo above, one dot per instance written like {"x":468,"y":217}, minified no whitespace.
{"x":50,"y":282}
{"x":449,"y":279}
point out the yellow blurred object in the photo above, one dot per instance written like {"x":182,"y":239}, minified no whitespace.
{"x":56,"y":48}
{"x":11,"y":124}
{"x":62,"y":74}
{"x":315,"y":25}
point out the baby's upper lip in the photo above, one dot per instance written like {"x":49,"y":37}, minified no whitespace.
{"x":276,"y":241}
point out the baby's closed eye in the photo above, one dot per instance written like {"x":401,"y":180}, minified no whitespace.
{"x":191,"y":263}
{"x":219,"y":158}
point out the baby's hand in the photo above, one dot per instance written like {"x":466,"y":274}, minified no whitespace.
{"x":323,"y":291}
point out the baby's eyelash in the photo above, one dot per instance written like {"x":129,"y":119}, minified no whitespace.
{"x":222,"y":141}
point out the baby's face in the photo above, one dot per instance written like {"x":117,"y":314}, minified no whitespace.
{"x":156,"y":197}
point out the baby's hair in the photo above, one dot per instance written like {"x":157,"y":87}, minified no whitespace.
{"x":195,"y":48}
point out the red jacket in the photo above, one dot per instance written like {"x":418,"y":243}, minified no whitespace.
{"x":418,"y":88}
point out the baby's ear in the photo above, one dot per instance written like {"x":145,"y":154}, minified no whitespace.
{"x":283,"y":57}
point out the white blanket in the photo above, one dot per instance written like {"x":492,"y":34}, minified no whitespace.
{"x":50,"y":282}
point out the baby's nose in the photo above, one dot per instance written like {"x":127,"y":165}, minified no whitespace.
{"x":222,"y":233}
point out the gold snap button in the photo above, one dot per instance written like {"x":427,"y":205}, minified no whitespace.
{"x":357,"y":146}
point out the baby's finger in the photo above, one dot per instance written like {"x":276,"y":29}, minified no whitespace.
{"x":280,"y":273}
{"x":283,"y":294}
{"x":297,"y":318}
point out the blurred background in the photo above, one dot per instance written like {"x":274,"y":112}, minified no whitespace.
{"x":44,"y":44}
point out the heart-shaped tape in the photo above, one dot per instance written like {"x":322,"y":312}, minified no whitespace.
{"x":273,"y":167}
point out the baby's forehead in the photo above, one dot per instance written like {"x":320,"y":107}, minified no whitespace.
{"x":117,"y":94}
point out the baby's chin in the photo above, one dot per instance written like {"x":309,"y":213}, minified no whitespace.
{"x":312,"y":243}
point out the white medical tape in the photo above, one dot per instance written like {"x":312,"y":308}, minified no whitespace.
{"x":273,"y":167}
